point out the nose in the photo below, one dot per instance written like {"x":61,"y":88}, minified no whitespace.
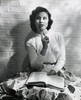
{"x":41,"y":20}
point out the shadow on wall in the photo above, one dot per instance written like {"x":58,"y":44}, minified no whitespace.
{"x":19,"y":34}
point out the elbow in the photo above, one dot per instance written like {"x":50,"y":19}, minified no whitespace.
{"x":36,"y":67}
{"x":33,"y":66}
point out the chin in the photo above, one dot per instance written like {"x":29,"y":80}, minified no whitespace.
{"x":42,"y":29}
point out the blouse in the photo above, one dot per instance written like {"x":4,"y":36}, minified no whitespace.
{"x":54,"y":54}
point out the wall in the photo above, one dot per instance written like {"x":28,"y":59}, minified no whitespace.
{"x":14,"y":27}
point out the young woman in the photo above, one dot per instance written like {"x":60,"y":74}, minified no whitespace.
{"x":46,"y":49}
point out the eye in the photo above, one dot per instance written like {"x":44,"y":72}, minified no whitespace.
{"x":37,"y":18}
{"x":44,"y":18}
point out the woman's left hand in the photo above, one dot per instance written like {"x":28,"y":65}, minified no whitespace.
{"x":52,"y":72}
{"x":61,"y":74}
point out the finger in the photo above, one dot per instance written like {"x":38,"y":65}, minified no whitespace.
{"x":45,"y":37}
{"x":42,"y":36}
{"x":51,"y":73}
{"x":47,"y":41}
{"x":48,"y":73}
{"x":60,"y":74}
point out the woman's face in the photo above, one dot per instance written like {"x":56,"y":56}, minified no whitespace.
{"x":41,"y":21}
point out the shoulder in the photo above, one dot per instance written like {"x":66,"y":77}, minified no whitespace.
{"x":55,"y":34}
{"x":59,"y":37}
{"x":58,"y":34}
{"x":32,"y":40}
{"x":30,"y":37}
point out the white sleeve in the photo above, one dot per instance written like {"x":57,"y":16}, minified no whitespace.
{"x":36,"y":59}
{"x":62,"y":58}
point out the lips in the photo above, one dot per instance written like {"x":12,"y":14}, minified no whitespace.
{"x":41,"y":26}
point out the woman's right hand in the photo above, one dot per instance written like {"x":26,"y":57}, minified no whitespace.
{"x":45,"y":41}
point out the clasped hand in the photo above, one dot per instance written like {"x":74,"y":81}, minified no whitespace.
{"x":53,"y":72}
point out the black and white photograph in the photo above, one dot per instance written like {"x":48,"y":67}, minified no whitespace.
{"x":40,"y":49}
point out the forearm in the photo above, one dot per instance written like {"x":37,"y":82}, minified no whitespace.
{"x":60,"y":64}
{"x":61,"y":61}
{"x":62,"y":57}
{"x":36,"y":59}
{"x":43,"y":51}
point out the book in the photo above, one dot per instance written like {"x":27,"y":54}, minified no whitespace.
{"x":43,"y":80}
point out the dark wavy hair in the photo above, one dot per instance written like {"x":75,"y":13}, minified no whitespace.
{"x":33,"y":17}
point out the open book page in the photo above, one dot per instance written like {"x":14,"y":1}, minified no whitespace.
{"x":51,"y":80}
{"x":38,"y":77}
{"x":55,"y":81}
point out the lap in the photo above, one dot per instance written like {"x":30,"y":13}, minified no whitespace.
{"x":71,"y":91}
